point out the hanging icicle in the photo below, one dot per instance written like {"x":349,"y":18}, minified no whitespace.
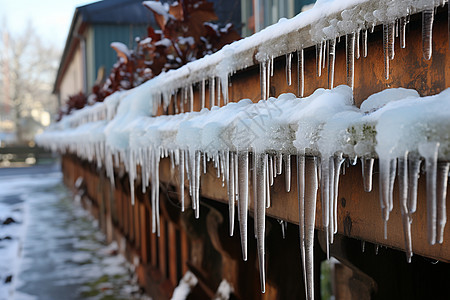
{"x":243,"y":200}
{"x":331,"y":62}
{"x":427,"y":32}
{"x":350,"y":61}
{"x":300,"y":73}
{"x":289,"y":69}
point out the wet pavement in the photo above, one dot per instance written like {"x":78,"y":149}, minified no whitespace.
{"x":52,"y":249}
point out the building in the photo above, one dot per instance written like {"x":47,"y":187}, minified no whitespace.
{"x":87,"y":53}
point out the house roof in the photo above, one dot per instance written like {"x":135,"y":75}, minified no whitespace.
{"x":115,"y":12}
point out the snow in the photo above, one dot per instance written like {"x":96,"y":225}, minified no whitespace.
{"x":187,"y":283}
{"x":394,"y":125}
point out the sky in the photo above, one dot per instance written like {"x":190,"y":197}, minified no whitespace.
{"x":51,"y":18}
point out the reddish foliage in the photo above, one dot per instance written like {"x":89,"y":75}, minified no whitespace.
{"x":185,"y":35}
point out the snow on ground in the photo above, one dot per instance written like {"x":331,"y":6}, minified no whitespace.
{"x":53,"y":250}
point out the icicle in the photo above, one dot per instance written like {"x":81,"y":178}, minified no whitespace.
{"x":287,"y":171}
{"x":331,"y":62}
{"x":350,"y":54}
{"x":224,"y":83}
{"x":357,"y":38}
{"x":300,"y":73}
{"x":441,"y":191}
{"x":263,"y":79}
{"x":325,"y":197}
{"x":218,"y":92}
{"x":427,"y":33}
{"x":311,"y":184}
{"x":203,"y":91}
{"x":402,"y":25}
{"x":391,"y":40}
{"x":271,"y":171}
{"x":269,"y":71}
{"x":191,"y":98}
{"x":363,"y":246}
{"x":271,"y":66}
{"x":403,"y":197}
{"x":289,"y":69}
{"x":430,"y":152}
{"x":338,"y":160}
{"x":413,"y":179}
{"x":211,"y":92}
{"x":204,"y":163}
{"x":279,"y":164}
{"x":231,"y":192}
{"x":385,"y":196}
{"x":367,"y":171}
{"x":243,"y":200}
{"x":324,"y":54}
{"x":364,"y":42}
{"x":181,"y":169}
{"x":319,"y":48}
{"x":392,"y":174}
{"x":386,"y":50}
{"x":301,"y":207}
{"x":260,"y":207}
{"x":283,"y":225}
{"x":268,"y":168}
{"x":196,"y":173}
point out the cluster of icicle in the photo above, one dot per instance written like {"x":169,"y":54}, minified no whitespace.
{"x":254,"y":142}
{"x":250,"y":142}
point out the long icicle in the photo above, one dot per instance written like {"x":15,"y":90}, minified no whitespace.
{"x":231,"y":192}
{"x":319,"y":48}
{"x":429,"y":151}
{"x":413,"y":179}
{"x":338,"y":161}
{"x":441,"y":190}
{"x":427,"y":33}
{"x":260,"y":206}
{"x":263,"y":80}
{"x":301,"y":207}
{"x":385,"y":50}
{"x":287,"y":171}
{"x":331,"y":62}
{"x":243,"y":200}
{"x":300,"y":73}
{"x":289,"y":68}
{"x":203,"y":91}
{"x":403,"y":23}
{"x":403,"y":197}
{"x":311,"y":185}
{"x":181,"y":169}
{"x":367,"y":171}
{"x":350,"y":61}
